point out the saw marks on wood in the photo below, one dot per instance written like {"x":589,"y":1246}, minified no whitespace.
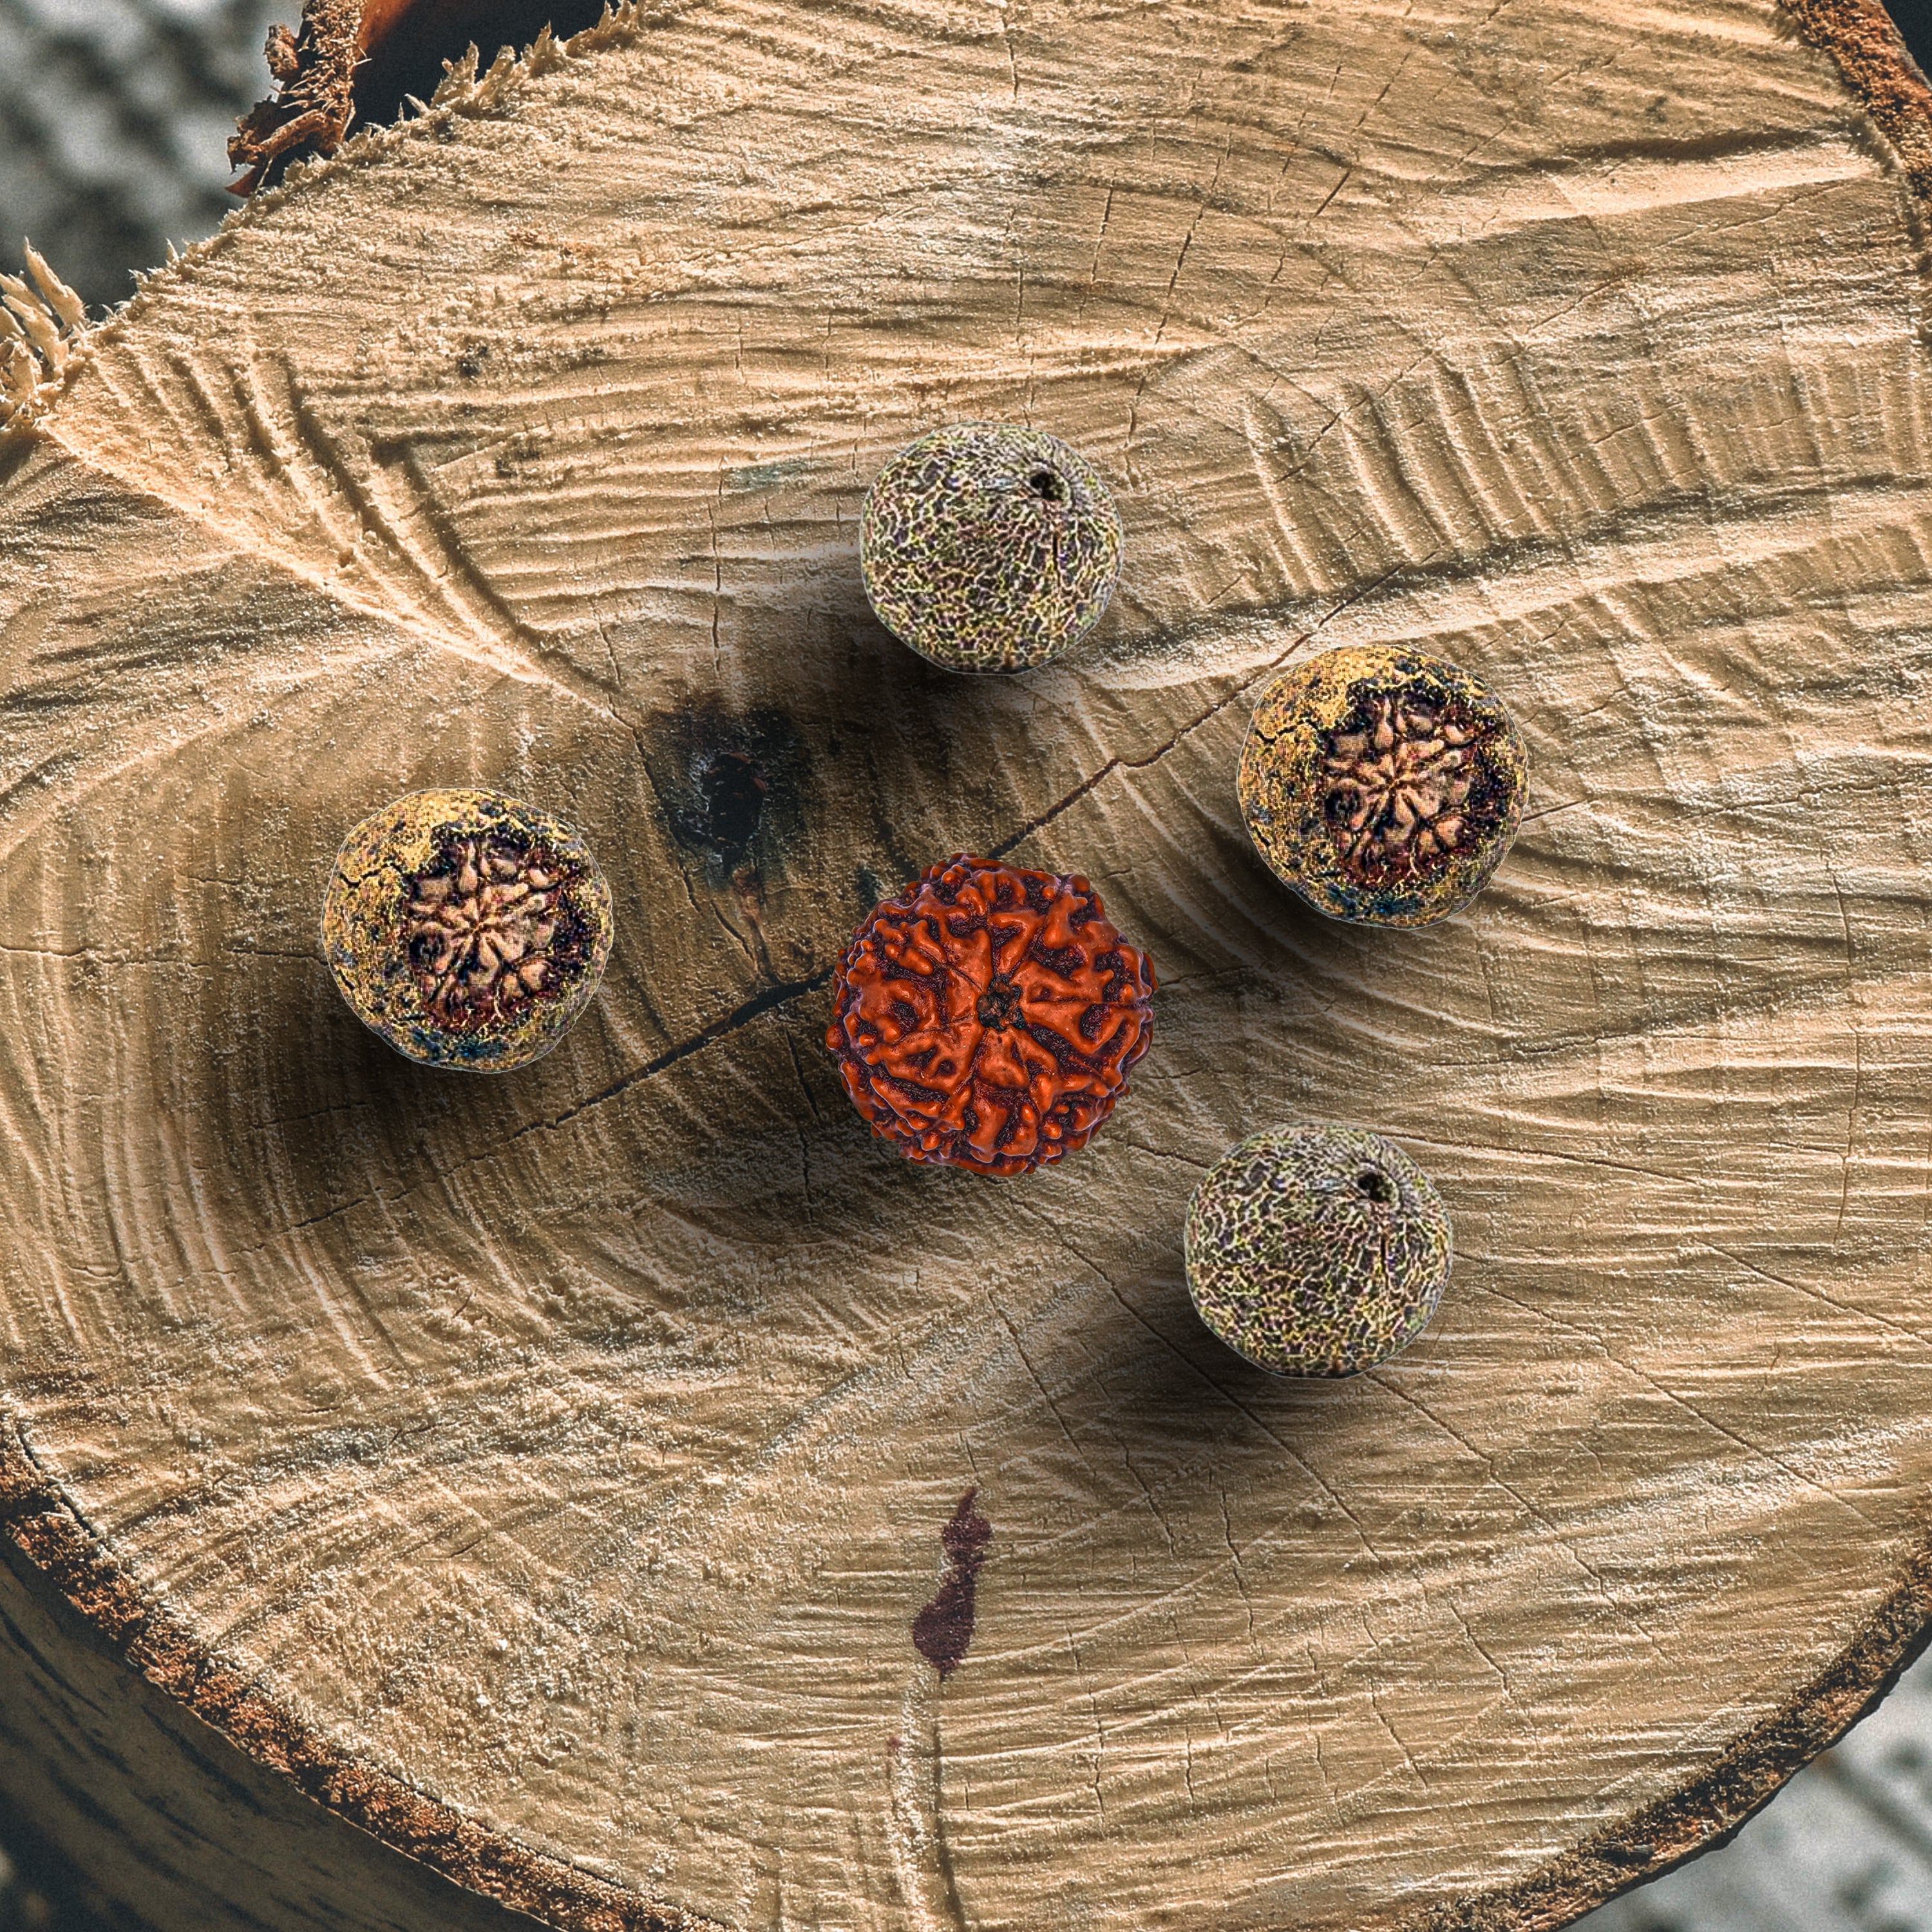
{"x":578,"y":1446}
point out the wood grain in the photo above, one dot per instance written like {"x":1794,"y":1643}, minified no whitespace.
{"x":569,"y":1454}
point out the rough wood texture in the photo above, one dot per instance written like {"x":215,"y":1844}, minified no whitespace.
{"x":360,"y":61}
{"x":549,"y":1472}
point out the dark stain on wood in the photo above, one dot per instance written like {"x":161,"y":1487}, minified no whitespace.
{"x":941,"y":1631}
{"x":732,"y":788}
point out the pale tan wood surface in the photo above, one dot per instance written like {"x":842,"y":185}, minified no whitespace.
{"x":572,"y":1448}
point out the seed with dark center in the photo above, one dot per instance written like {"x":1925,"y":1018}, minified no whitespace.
{"x":987,"y":1017}
{"x":1383,"y":785}
{"x":487,"y":931}
{"x":466,"y":928}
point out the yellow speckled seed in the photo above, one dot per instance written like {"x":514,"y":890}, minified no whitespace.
{"x":1316,"y":1250}
{"x":467,"y":928}
{"x":989,"y":547}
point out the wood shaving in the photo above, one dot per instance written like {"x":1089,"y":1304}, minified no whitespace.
{"x":42,"y":321}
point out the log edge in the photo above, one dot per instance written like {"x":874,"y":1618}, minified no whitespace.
{"x":1862,"y":41}
{"x":1711,"y":1807}
{"x":463,"y":94}
{"x":50,"y":1533}
{"x":1864,"y":45}
{"x":1704,"y":1812}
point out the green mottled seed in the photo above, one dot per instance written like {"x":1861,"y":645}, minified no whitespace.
{"x":1384,"y":784}
{"x":988,"y":547}
{"x":1316,"y":1250}
{"x":466,"y":928}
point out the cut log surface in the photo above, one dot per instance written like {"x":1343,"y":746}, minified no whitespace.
{"x":549,"y":1471}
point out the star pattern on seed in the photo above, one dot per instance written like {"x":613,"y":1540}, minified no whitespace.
{"x":1397,"y":784}
{"x":479,"y":928}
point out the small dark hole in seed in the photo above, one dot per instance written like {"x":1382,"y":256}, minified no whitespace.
{"x":1046,"y":486}
{"x":1374,"y":1186}
{"x":999,"y":1004}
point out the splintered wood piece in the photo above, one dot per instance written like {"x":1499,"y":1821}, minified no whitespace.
{"x":368,"y":61}
{"x":314,"y":100}
{"x":626,"y":1486}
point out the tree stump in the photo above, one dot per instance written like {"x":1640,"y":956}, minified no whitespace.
{"x":548,"y":1473}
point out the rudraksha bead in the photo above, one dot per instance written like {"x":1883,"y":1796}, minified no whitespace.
{"x":466,"y":928}
{"x":989,"y":547}
{"x":1316,"y":1250}
{"x":1385,"y":785}
{"x":987,"y":1018}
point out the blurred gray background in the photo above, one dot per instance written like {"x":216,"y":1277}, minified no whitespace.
{"x":114,"y":117}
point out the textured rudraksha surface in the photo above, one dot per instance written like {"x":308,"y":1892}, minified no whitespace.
{"x":1316,"y":1250}
{"x":989,"y":547}
{"x":987,"y":1017}
{"x":1383,"y":785}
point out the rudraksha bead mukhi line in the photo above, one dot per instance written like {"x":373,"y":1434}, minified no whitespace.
{"x":988,"y":1017}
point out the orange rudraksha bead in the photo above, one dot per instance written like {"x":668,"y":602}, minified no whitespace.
{"x":987,"y":1018}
